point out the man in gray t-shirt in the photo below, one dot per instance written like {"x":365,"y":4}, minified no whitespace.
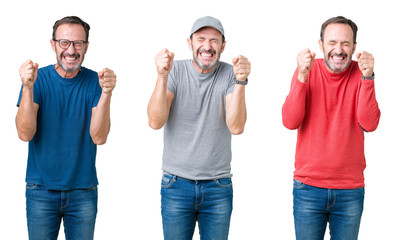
{"x":201,"y":102}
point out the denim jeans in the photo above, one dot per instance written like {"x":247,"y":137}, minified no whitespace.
{"x":185,"y":202}
{"x":314,"y":207}
{"x":46,"y":208}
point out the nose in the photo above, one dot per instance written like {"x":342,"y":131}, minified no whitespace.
{"x":338,"y":48}
{"x":207,"y":45}
{"x":70,"y":49}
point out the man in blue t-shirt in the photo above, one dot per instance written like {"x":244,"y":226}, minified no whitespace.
{"x":64,"y":112}
{"x":201,"y":102}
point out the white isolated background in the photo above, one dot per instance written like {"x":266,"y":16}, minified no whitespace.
{"x":126,"y":35}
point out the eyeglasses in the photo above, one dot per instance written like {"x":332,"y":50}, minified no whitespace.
{"x":78,"y":45}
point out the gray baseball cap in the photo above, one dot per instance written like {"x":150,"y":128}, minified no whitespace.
{"x":207,"y":22}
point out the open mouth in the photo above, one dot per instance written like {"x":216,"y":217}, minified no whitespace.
{"x":338,"y":58}
{"x":206,"y":53}
{"x":70,"y":58}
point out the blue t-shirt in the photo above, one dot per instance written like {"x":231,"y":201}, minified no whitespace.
{"x":62,"y":154}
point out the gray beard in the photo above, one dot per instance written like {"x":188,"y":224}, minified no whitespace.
{"x":339,"y":69}
{"x":208,"y":67}
{"x":68,"y":70}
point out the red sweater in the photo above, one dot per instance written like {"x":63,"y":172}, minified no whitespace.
{"x":331,"y":112}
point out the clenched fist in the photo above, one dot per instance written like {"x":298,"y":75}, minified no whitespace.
{"x":28,"y":73}
{"x":305,"y":61}
{"x":107,"y":80}
{"x":241,"y":67}
{"x":366,"y":63}
{"x":164,"y":62}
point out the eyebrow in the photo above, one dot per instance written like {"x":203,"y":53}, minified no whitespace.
{"x":333,"y":41}
{"x":210,"y":39}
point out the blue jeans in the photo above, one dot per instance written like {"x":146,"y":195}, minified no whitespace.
{"x":184,"y":202}
{"x":46,"y":208}
{"x":314,"y":207}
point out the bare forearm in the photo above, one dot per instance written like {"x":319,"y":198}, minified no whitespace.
{"x":236,"y":110}
{"x":26,"y":118}
{"x":158,"y":109}
{"x":100,"y":121}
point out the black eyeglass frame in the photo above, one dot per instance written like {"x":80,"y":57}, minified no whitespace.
{"x":71,"y":42}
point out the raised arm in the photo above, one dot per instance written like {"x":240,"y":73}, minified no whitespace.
{"x":26,"y":118}
{"x":368,"y":111}
{"x":293,"y":110}
{"x":161,"y":100}
{"x":235,"y":101}
{"x":100,"y":119}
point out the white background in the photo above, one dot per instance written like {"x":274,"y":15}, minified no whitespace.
{"x":125,"y":36}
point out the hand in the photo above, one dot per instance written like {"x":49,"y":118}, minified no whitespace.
{"x":107,"y":80}
{"x":28,"y":73}
{"x":366,"y":63}
{"x":164,"y":62}
{"x":241,"y":67}
{"x":305,"y":61}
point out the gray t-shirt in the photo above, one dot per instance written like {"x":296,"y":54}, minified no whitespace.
{"x":197,"y":141}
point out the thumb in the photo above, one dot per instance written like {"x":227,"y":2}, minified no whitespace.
{"x":35,"y":69}
{"x":235,"y":60}
{"x":171,"y":56}
{"x":100,"y":74}
{"x":313,"y":55}
{"x":358,"y":55}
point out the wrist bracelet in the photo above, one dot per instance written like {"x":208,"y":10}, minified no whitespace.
{"x":368,"y":78}
{"x":241,"y":82}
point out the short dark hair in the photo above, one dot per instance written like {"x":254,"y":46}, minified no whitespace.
{"x":71,"y":20}
{"x":341,"y":20}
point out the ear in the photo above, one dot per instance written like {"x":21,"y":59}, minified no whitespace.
{"x":354,"y":48}
{"x":86,"y":47}
{"x":189,"y":43}
{"x":222,"y":48}
{"x":320,"y":45}
{"x":53,"y":45}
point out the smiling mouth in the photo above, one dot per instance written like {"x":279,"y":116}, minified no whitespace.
{"x":338,"y":57}
{"x":70,"y":58}
{"x":206,"y":53}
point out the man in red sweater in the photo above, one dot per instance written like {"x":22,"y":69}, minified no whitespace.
{"x":331,"y":103}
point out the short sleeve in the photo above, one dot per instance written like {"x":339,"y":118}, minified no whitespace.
{"x":36,"y":94}
{"x":20,"y":96}
{"x":97,"y":94}
{"x":172,"y":80}
{"x":231,"y":83}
